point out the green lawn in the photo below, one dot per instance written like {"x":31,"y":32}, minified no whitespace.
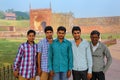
{"x":9,"y":47}
{"x":16,"y":23}
{"x":8,"y":50}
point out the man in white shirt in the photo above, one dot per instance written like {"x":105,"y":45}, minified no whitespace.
{"x":82,"y":58}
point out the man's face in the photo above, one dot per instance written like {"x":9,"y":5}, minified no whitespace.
{"x":61,"y":34}
{"x":76,"y":34}
{"x":94,"y":39}
{"x":49,"y":34}
{"x":31,"y":37}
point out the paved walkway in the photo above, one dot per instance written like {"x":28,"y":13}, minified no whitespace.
{"x":113,"y":72}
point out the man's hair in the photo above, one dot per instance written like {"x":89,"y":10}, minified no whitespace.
{"x":47,"y":28}
{"x":31,"y":31}
{"x":62,"y":28}
{"x":95,"y":32}
{"x":76,"y":28}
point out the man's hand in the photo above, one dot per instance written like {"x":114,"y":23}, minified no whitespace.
{"x":68,"y":74}
{"x":16,"y":74}
{"x":39,"y":71}
{"x":51,"y":73}
{"x":89,"y":76}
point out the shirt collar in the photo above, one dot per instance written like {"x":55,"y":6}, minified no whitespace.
{"x":46,"y":40}
{"x":29,"y":43}
{"x":95,"y":45}
{"x":64,"y":40}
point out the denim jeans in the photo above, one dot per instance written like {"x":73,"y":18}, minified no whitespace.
{"x":60,"y":76}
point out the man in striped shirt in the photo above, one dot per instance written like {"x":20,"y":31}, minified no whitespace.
{"x":25,"y":62}
{"x":43,"y":46}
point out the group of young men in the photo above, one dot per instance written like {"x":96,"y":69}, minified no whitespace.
{"x":58,"y":58}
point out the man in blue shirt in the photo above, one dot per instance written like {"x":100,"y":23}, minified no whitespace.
{"x":82,"y":58}
{"x":43,"y":46}
{"x":60,"y":58}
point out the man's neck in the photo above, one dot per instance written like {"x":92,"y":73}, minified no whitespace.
{"x":50,"y":40}
{"x":30,"y":42}
{"x":78,"y":41}
{"x":95,"y":44}
{"x":60,"y":40}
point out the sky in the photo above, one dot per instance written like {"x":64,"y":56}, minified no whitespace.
{"x":80,"y":8}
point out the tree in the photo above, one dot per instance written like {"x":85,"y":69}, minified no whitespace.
{"x":10,"y":11}
{"x":21,"y":15}
{"x":2,"y":16}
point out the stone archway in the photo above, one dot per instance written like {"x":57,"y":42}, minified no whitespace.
{"x":43,"y":24}
{"x":40,"y":18}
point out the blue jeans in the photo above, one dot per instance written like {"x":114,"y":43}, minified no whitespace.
{"x":60,"y":76}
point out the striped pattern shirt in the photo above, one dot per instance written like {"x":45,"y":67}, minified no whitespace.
{"x":25,"y":60}
{"x":43,"y":46}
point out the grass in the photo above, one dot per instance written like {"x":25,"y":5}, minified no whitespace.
{"x":8,"y":50}
{"x":9,"y":47}
{"x":16,"y":23}
{"x":114,"y":36}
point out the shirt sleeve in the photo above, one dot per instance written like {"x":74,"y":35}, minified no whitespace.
{"x":18,"y":58}
{"x":89,"y":59}
{"x":50,"y":58}
{"x":70,"y":57}
{"x":108,"y":57}
{"x":39,"y":50}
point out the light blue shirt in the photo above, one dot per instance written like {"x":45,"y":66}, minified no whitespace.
{"x":60,"y":57}
{"x":43,"y":46}
{"x":82,"y":58}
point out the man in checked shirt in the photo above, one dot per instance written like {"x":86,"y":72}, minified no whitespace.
{"x":43,"y":46}
{"x":25,"y":62}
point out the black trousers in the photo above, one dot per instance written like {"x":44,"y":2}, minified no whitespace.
{"x":79,"y":75}
{"x":98,"y":76}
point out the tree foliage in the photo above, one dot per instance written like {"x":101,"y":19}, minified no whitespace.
{"x":19,"y":14}
{"x":2,"y":15}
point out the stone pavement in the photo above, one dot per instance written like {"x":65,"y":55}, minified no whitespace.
{"x":113,"y":72}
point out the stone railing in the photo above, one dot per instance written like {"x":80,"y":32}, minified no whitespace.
{"x":110,"y":42}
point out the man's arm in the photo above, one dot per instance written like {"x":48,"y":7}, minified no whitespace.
{"x":17,"y":62}
{"x":50,"y":60}
{"x":39,"y":63}
{"x":109,"y":59}
{"x":70,"y":52}
{"x":70,"y":60}
{"x":89,"y":59}
{"x":39,"y":51}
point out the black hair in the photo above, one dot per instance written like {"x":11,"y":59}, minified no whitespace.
{"x":62,"y":28}
{"x":76,"y":28}
{"x":31,"y":31}
{"x":95,"y":32}
{"x":47,"y":28}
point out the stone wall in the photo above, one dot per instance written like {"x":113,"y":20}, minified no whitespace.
{"x":39,"y":17}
